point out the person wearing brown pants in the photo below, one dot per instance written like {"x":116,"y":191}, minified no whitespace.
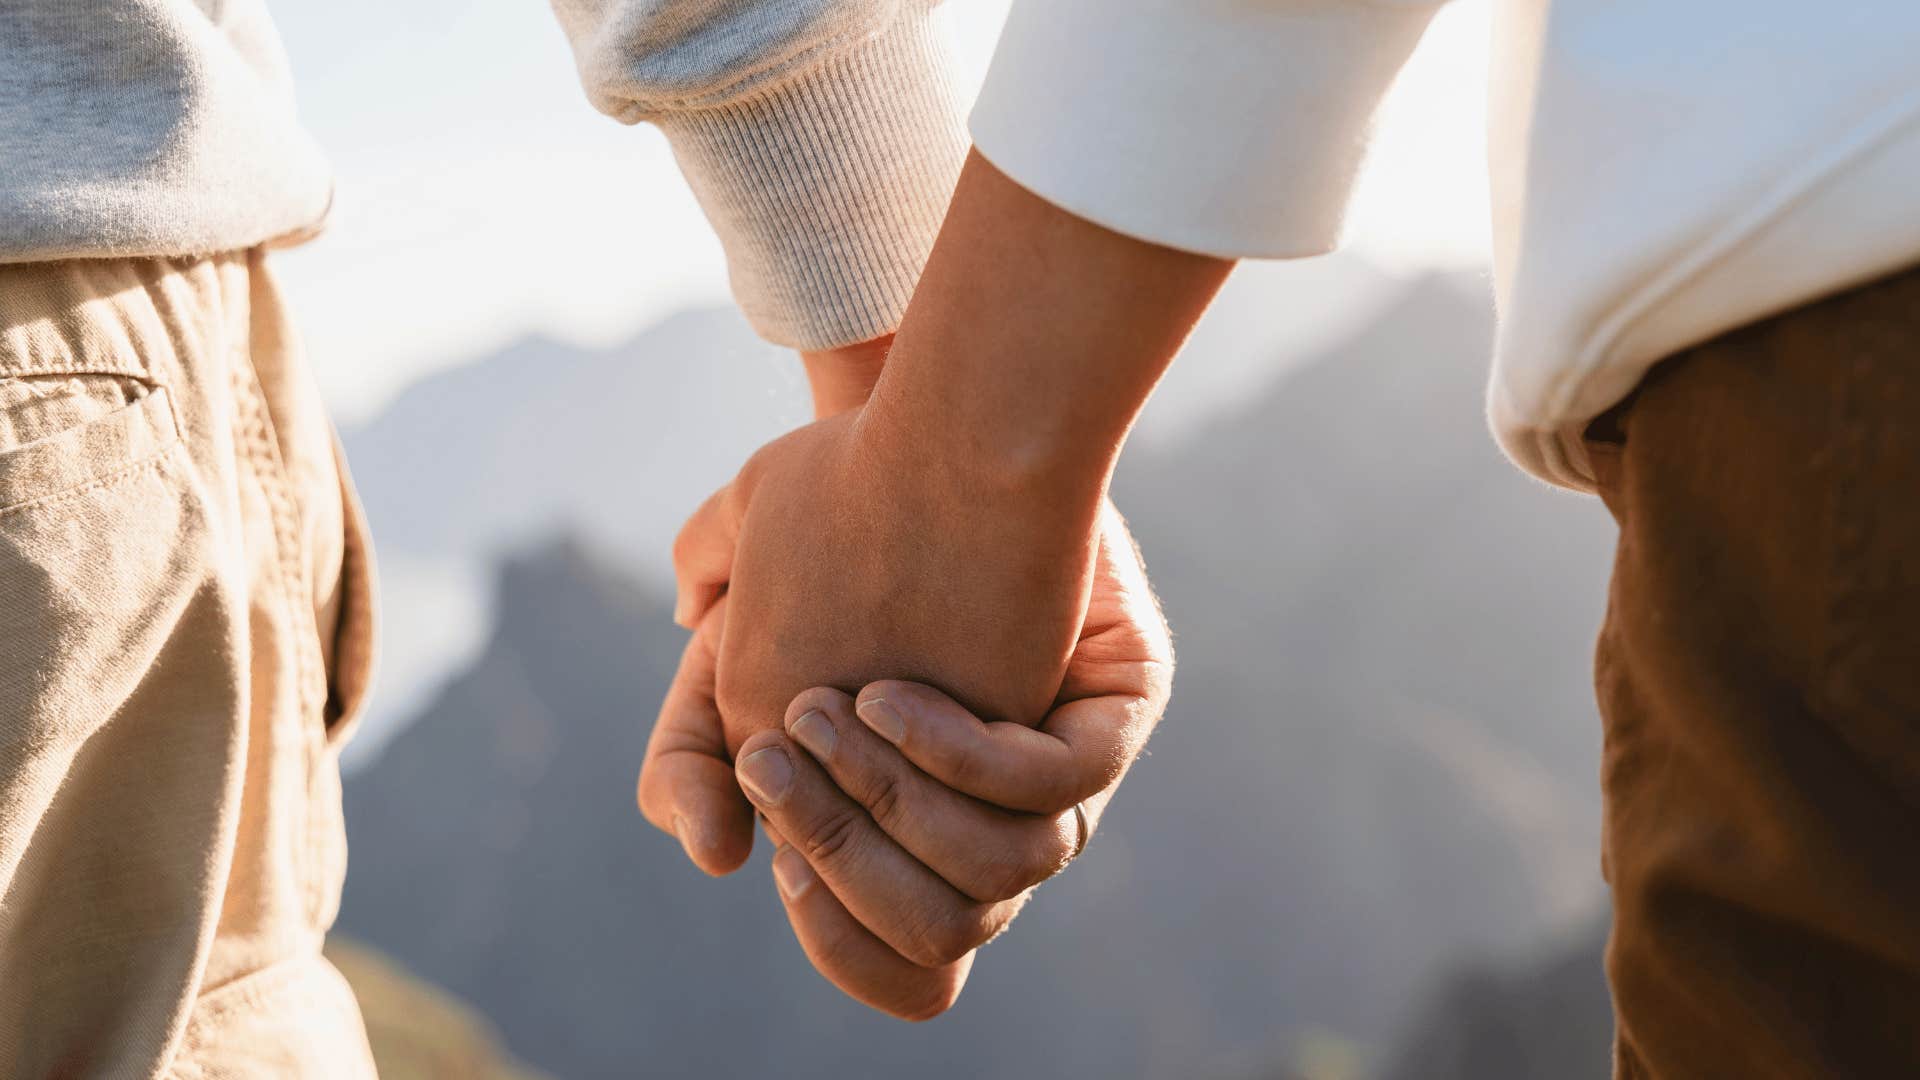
{"x":1759,"y":673}
{"x":1759,"y":677}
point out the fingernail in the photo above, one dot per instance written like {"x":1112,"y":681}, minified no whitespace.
{"x":680,"y":833}
{"x":815,"y":732}
{"x":883,"y":718}
{"x":792,"y":874}
{"x":766,"y":774}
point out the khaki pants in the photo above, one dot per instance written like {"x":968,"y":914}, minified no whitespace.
{"x":1759,"y":675}
{"x":185,"y":635}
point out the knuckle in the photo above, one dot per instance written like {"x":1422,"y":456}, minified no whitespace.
{"x":883,"y":800}
{"x":962,"y":770}
{"x":939,"y":941}
{"x":831,"y":837}
{"x":1003,"y":915}
{"x":1086,"y":776}
{"x":1004,"y":879}
{"x":1049,"y":853}
{"x":1029,"y":863}
{"x":1057,"y":793}
{"x":1048,"y":792}
{"x":937,"y":948}
{"x":1089,"y":786}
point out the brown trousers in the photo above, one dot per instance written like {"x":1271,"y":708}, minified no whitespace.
{"x":1759,"y":676}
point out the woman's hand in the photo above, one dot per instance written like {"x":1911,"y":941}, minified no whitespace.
{"x":909,"y":831}
{"x":851,"y":551}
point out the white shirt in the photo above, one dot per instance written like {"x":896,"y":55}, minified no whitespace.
{"x":1661,"y":171}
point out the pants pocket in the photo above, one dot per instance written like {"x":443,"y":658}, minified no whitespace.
{"x":69,"y":433}
{"x":117,"y":686}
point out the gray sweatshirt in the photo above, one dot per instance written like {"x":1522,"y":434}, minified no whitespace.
{"x":149,"y":127}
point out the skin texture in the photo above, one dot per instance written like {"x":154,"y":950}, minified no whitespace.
{"x":952,"y":532}
{"x":896,"y":860}
{"x":843,"y":378}
{"x":833,"y":543}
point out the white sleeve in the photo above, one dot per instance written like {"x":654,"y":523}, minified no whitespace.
{"x":1226,"y":127}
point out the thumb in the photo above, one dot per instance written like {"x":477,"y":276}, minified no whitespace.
{"x":687,"y":786}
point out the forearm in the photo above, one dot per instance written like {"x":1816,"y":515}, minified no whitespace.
{"x":1034,"y":339}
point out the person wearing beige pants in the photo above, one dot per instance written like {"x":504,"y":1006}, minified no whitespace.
{"x":185,"y":640}
{"x":186,"y":594}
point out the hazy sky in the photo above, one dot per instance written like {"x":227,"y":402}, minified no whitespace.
{"x":481,"y":198}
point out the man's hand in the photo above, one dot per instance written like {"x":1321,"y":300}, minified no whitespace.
{"x":910,"y":831}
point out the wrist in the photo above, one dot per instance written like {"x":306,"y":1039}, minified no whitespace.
{"x":1032,"y":341}
{"x":939,"y":452}
{"x":966,"y":432}
{"x":843,"y":378}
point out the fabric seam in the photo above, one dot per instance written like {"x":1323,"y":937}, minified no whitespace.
{"x":11,"y":371}
{"x":269,"y":472}
{"x":106,"y":479}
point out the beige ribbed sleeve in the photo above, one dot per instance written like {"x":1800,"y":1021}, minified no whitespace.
{"x":822,"y":138}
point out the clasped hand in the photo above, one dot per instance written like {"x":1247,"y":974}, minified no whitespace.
{"x":846,"y":572}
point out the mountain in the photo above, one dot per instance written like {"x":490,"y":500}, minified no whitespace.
{"x":617,"y":444}
{"x":1379,"y":763}
{"x":1547,"y":1017}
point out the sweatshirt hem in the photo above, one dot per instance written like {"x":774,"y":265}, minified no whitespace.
{"x":1547,"y":442}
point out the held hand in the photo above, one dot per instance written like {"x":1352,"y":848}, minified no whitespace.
{"x":851,"y":551}
{"x":900,"y":851}
{"x":943,"y":532}
{"x":896,"y":861}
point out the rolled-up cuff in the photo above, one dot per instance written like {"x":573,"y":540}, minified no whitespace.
{"x":828,"y":189}
{"x":1225,"y":128}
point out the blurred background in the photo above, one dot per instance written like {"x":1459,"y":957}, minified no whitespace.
{"x":1364,"y":842}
